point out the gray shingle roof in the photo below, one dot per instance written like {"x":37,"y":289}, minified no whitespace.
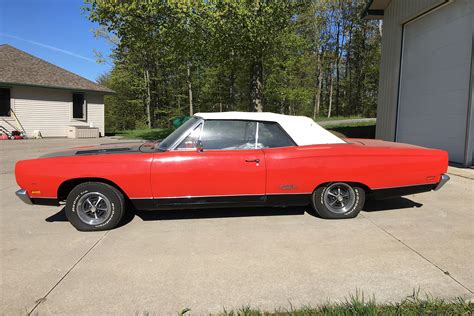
{"x":20,"y":68}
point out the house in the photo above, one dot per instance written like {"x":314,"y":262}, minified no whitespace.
{"x":46,"y":97}
{"x":426,"y":76}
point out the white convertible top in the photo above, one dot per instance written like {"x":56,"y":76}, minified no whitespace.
{"x":302,"y":129}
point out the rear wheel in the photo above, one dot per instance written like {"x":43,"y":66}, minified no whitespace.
{"x":338,"y":200}
{"x":94,"y":206}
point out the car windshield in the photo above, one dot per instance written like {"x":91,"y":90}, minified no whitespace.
{"x":176,"y":134}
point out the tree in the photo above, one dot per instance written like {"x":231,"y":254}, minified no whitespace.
{"x":174,"y":58}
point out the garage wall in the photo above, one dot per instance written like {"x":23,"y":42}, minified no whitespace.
{"x":50,"y":110}
{"x":397,"y":13}
{"x":434,"y":84}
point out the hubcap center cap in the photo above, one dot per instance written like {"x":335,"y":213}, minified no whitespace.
{"x":339,"y":198}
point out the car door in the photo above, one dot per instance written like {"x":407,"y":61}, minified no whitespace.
{"x":218,"y":163}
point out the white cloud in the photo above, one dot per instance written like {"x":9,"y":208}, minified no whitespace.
{"x":49,"y":47}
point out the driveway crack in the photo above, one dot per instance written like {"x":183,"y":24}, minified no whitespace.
{"x":42,"y":299}
{"x":419,"y":254}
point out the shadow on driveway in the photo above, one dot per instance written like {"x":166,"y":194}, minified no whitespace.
{"x":370,"y":206}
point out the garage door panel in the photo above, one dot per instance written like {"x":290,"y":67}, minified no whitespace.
{"x":433,"y":95}
{"x":453,"y":101}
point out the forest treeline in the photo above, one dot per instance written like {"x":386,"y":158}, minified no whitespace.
{"x":174,"y":58}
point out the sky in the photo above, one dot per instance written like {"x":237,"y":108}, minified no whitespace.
{"x":56,"y":31}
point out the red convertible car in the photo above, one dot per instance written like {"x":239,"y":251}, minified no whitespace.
{"x":230,"y":159}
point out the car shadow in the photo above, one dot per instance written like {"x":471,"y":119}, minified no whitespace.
{"x":61,"y":217}
{"x":220,"y":213}
{"x":371,"y":205}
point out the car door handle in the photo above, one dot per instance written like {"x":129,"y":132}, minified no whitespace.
{"x":252,"y":160}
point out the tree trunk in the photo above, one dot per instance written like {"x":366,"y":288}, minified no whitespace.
{"x":146,"y":75}
{"x":338,"y":49}
{"x":190,"y":89}
{"x":348,"y":74}
{"x":317,"y":96}
{"x":231,"y":103}
{"x":330,"y":91}
{"x":256,"y":86}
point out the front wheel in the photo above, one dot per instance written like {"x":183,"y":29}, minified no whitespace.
{"x":338,"y":200}
{"x":94,"y":206}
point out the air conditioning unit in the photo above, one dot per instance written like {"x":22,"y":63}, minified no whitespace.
{"x":82,"y":132}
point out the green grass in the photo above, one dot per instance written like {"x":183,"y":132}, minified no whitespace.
{"x":337,"y":118}
{"x":359,"y":305}
{"x":148,"y":134}
{"x":358,"y":124}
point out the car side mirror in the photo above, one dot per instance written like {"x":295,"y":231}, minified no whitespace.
{"x":199,"y":146}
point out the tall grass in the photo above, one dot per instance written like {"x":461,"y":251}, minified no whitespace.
{"x":358,"y":304}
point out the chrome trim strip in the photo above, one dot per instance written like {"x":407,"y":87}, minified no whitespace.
{"x":205,"y":196}
{"x":444,"y":178}
{"x":256,"y":135}
{"x":23,"y":195}
{"x":402,"y":186}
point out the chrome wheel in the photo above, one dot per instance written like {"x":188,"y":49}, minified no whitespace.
{"x":339,"y":198}
{"x":93,"y":208}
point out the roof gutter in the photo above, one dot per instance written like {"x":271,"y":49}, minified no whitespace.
{"x":369,"y":13}
{"x":13,"y":84}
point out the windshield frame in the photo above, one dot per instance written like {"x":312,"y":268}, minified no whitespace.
{"x":179,"y":134}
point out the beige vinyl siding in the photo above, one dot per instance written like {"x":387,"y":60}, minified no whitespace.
{"x":396,"y":14}
{"x":50,"y":110}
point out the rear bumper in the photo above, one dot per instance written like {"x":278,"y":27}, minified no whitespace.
{"x":23,"y":195}
{"x":442,"y":182}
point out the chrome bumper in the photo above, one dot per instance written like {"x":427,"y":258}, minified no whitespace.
{"x":444,"y":179}
{"x":23,"y":196}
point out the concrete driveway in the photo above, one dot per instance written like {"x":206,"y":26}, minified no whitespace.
{"x":210,"y":259}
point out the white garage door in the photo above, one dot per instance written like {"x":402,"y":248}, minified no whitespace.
{"x":434,"y":84}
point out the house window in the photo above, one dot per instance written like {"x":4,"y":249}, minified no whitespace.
{"x":5,"y":105}
{"x":78,"y":106}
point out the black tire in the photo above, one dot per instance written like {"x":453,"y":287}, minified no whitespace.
{"x":107,"y":212}
{"x":330,"y":204}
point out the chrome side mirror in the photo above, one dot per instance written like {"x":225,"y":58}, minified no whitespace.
{"x":199,"y":146}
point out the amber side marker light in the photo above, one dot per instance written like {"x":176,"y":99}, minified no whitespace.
{"x":35,"y":192}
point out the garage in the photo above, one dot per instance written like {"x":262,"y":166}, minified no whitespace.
{"x":426,"y":85}
{"x":433,"y":97}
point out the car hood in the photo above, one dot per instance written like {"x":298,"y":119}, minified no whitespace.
{"x":104,"y":149}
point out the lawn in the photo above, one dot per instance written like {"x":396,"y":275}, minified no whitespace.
{"x":351,"y":130}
{"x":337,"y":118}
{"x":358,"y":305}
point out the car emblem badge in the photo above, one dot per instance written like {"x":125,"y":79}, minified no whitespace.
{"x":287,"y":187}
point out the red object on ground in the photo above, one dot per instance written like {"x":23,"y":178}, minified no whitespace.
{"x":3,"y":137}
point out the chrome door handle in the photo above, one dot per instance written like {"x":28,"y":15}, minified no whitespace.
{"x":252,"y":160}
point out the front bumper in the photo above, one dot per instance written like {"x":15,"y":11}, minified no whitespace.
{"x":23,"y":195}
{"x":444,"y":179}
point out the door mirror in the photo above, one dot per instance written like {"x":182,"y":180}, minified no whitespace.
{"x":199,"y":146}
